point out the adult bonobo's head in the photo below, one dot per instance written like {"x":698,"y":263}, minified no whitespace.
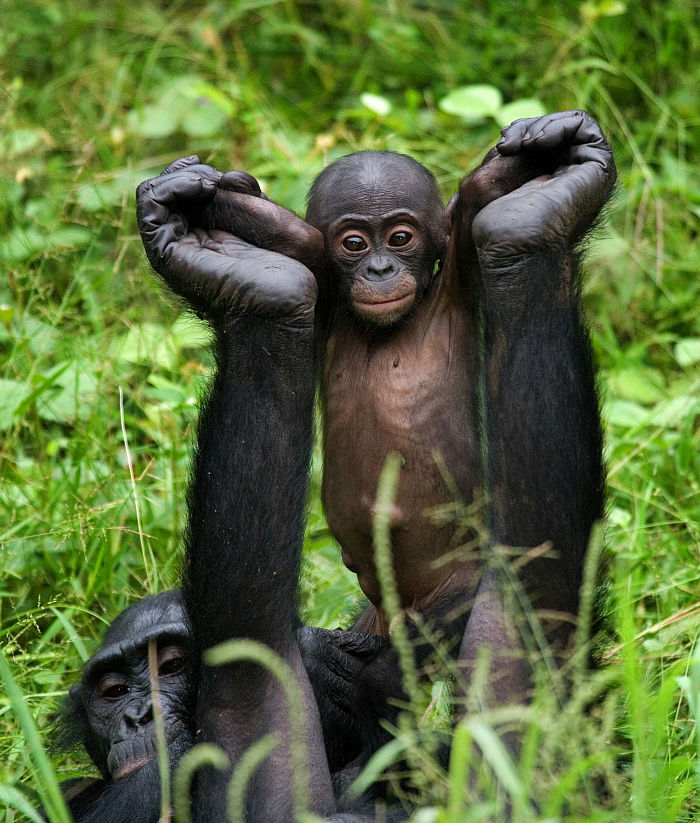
{"x":385,"y":228}
{"x":111,"y":711}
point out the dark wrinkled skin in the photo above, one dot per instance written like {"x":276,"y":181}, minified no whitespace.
{"x":115,"y":691}
{"x":242,"y":558}
{"x":111,"y":711}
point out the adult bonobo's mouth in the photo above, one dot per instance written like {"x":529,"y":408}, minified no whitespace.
{"x":128,"y":756}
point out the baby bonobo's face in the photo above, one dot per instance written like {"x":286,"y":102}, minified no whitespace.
{"x":383,"y":223}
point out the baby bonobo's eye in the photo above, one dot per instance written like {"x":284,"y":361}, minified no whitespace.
{"x":353,"y":242}
{"x":400,"y":238}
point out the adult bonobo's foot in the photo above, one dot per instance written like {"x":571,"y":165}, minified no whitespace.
{"x":571,"y":175}
{"x":218,"y":273}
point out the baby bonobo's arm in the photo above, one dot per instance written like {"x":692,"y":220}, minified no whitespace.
{"x":240,"y":208}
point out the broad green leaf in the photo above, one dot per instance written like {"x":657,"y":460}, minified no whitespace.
{"x":619,"y":517}
{"x":17,"y":142}
{"x":375,"y":103}
{"x":152,"y":121}
{"x":527,"y":107}
{"x":203,"y":119}
{"x":472,"y":103}
{"x":687,"y":351}
{"x":165,"y":391}
{"x":187,"y":103}
{"x":70,"y":397}
{"x":148,"y":343}
{"x":642,"y":386}
{"x":672,"y":412}
{"x":12,"y":393}
{"x":41,"y":338}
{"x":625,"y":413}
{"x":22,"y":244}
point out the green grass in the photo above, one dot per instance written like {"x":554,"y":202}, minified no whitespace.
{"x":98,"y":96}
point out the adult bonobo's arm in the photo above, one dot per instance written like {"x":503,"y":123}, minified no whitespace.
{"x":247,"y":496}
{"x":544,"y":468}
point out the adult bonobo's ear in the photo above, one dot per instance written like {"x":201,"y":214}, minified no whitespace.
{"x":72,"y":729}
{"x":72,"y":725}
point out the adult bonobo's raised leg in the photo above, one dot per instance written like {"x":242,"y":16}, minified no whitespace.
{"x":247,"y":496}
{"x":544,"y":472}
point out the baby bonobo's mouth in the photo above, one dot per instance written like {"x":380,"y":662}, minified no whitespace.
{"x":385,"y":309}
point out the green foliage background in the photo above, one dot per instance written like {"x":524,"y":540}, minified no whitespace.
{"x":98,"y":96}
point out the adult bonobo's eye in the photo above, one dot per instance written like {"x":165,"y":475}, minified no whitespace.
{"x":399,"y":238}
{"x":112,"y":687}
{"x":171,"y":661}
{"x":354,"y":243}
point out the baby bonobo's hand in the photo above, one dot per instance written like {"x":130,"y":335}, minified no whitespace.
{"x":240,"y":207}
{"x":562,"y":171}
{"x":217,"y":273}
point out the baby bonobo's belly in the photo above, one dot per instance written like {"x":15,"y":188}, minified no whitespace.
{"x":414,"y":397}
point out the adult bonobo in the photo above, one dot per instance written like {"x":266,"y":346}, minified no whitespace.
{"x":110,"y":712}
{"x":485,"y":364}
{"x":247,"y":495}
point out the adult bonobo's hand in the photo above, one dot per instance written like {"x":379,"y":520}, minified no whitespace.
{"x":335,"y":661}
{"x":551,"y":209}
{"x":216,"y":272}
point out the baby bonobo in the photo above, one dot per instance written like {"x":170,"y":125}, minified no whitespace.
{"x":454,"y":337}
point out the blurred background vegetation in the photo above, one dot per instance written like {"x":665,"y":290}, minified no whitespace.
{"x":98,"y":96}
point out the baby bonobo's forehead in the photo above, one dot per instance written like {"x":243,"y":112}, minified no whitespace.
{"x":372,"y":183}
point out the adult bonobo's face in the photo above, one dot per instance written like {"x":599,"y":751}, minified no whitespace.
{"x":116,"y":687}
{"x":384,"y":226}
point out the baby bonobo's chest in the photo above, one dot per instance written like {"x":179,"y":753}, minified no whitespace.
{"x":411,"y":392}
